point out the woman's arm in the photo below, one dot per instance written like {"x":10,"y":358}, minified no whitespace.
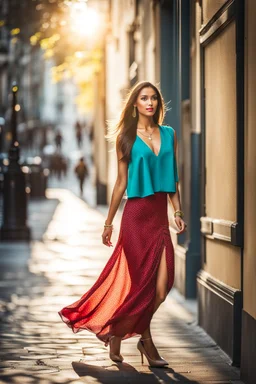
{"x":175,"y":198}
{"x":119,"y":188}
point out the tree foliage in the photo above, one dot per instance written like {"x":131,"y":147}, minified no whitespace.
{"x":47,"y":24}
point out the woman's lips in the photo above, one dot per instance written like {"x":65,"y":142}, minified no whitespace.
{"x":149,"y":109}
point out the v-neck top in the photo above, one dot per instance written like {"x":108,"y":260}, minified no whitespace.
{"x":149,"y":173}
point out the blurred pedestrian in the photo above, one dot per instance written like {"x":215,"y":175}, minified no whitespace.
{"x":140,"y":272}
{"x":81,"y":170}
{"x":79,"y":134}
{"x":58,"y":140}
{"x":91,"y":132}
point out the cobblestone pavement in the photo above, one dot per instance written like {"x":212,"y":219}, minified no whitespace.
{"x":39,"y":278}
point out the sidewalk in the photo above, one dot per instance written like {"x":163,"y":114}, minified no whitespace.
{"x":40,"y":278}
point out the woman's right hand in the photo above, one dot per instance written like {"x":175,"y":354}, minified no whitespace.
{"x":180,"y":224}
{"x":106,"y":237}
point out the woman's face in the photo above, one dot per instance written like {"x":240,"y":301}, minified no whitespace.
{"x":147,"y":102}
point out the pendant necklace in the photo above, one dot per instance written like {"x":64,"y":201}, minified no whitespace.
{"x":150,"y":134}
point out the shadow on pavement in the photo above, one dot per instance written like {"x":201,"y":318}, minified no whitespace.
{"x":16,"y":255}
{"x":123,"y":372}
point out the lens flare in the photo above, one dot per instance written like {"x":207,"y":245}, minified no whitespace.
{"x":84,"y":20}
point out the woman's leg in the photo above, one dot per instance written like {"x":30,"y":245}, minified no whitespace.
{"x":115,"y":345}
{"x":161,"y":281}
{"x":161,"y":292}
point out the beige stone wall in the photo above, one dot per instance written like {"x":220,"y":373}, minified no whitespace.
{"x":147,"y":41}
{"x":157,"y":47}
{"x":250,"y":163}
{"x":99,"y":128}
{"x":220,"y":93}
{"x":223,"y":260}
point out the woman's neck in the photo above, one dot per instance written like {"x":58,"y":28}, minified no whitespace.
{"x":145,"y":123}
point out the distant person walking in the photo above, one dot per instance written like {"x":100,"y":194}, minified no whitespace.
{"x":79,"y":134}
{"x":58,"y":140}
{"x":82,"y":172}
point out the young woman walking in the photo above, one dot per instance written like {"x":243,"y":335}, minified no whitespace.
{"x":140,"y":271}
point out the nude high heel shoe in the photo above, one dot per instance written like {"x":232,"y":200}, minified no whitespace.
{"x":153,"y":363}
{"x":116,"y":358}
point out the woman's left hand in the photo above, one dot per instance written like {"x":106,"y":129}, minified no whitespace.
{"x":180,"y":224}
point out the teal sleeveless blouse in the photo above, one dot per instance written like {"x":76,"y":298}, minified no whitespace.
{"x":149,"y":173}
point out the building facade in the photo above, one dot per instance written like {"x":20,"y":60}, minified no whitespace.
{"x":202,"y":54}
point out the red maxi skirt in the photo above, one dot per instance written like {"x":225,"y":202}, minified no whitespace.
{"x":121,"y":301}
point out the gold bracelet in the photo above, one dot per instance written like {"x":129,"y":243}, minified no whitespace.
{"x":179,"y":213}
{"x":108,"y":225}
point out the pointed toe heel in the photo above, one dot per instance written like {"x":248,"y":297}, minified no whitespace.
{"x":152,"y":362}
{"x":117,"y":358}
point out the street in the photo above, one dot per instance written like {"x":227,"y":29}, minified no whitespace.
{"x":56,"y":268}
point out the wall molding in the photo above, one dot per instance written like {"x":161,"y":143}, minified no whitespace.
{"x":221,"y":229}
{"x":217,"y":23}
{"x":248,"y":372}
{"x":220,"y":313}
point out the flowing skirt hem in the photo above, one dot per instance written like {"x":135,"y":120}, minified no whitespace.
{"x":105,"y":339}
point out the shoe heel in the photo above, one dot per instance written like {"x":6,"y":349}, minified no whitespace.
{"x":153,"y":363}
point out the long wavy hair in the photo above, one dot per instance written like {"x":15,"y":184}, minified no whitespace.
{"x":124,"y":131}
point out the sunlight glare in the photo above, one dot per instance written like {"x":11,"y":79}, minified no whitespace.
{"x":84,"y":20}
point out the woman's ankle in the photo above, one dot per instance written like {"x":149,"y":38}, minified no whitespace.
{"x":146,"y":335}
{"x":146,"y":339}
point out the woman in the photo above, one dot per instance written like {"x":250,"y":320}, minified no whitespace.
{"x":140,"y":272}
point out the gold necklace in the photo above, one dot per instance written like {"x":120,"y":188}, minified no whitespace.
{"x":150,"y":134}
